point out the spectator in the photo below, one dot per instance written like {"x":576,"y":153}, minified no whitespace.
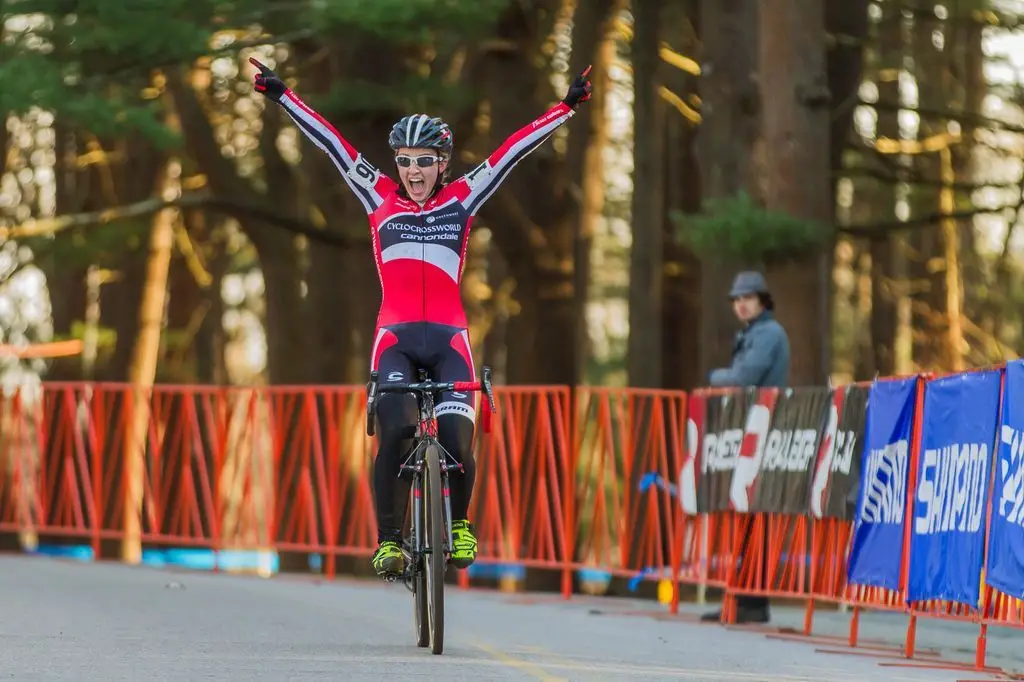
{"x":760,"y":358}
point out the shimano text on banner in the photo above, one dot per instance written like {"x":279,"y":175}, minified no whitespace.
{"x":1005,"y":569}
{"x":947,"y":540}
{"x":837,"y":470}
{"x":878,"y":529}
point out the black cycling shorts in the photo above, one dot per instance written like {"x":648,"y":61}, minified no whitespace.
{"x":442,"y":351}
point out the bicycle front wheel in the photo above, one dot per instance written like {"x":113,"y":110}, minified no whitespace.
{"x":435,"y":564}
{"x":419,"y":580}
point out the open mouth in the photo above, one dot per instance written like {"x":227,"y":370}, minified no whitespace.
{"x":416,"y":184}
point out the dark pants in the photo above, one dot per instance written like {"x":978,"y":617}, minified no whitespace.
{"x":748,"y":602}
{"x":397,"y":415}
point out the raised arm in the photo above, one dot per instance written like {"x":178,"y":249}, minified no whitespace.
{"x":368,"y":184}
{"x":481,"y":182}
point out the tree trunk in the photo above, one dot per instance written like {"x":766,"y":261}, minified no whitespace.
{"x":860,"y":305}
{"x":130,"y":179}
{"x":331,"y":325}
{"x":927,"y":268}
{"x":533,"y":215}
{"x":279,"y":256}
{"x":145,"y":353}
{"x":953,"y":356}
{"x":342,"y":282}
{"x":965,"y":35}
{"x":644,"y":355}
{"x":681,"y":277}
{"x":185,"y":310}
{"x":281,"y":266}
{"x":65,"y":278}
{"x":887,"y":288}
{"x":796,"y":170}
{"x":210,"y":339}
{"x":593,"y":178}
{"x":495,"y":343}
{"x":728,"y":133}
{"x":134,"y":178}
{"x":119,"y":306}
{"x":344,"y":294}
{"x":847,"y":22}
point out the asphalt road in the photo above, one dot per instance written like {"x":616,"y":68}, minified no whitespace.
{"x":61,"y":620}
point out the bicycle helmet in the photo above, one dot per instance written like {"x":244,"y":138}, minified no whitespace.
{"x":420,"y":130}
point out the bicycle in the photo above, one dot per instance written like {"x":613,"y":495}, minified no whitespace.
{"x":427,"y":547}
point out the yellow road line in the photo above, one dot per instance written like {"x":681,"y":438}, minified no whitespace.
{"x":519,"y":664}
{"x":551,"y":662}
{"x":646,"y":672}
{"x":544,"y":665}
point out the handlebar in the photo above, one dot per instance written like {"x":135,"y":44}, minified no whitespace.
{"x":429,"y":386}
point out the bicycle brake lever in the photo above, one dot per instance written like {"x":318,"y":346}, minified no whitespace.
{"x":487,"y":388}
{"x":371,"y":403}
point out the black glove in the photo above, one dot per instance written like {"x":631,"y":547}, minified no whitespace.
{"x":579,"y":89}
{"x":266,"y":82}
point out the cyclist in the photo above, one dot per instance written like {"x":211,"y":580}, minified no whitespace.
{"x":419,"y":229}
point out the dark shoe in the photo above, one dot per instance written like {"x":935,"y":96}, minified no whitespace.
{"x":753,"y":615}
{"x":744,"y":615}
{"x":712,"y":617}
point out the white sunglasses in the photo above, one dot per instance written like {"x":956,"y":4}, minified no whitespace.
{"x":425,"y":161}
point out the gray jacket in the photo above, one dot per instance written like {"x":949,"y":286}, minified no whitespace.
{"x":760,"y":356}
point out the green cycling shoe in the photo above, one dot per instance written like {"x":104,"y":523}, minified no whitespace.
{"x":463,"y":544}
{"x":388,"y":560}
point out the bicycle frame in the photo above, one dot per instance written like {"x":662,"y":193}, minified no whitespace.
{"x":426,"y":435}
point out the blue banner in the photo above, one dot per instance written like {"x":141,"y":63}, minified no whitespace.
{"x":1006,"y":534}
{"x":947,"y":542}
{"x":878,"y":529}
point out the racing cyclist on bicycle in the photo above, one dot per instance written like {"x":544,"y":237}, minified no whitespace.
{"x":419,"y":230}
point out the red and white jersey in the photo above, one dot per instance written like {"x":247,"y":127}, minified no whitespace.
{"x":421,"y":251}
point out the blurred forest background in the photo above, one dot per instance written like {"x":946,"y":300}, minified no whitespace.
{"x":868,"y":155}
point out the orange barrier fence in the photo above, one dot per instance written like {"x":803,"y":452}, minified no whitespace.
{"x":605,"y":479}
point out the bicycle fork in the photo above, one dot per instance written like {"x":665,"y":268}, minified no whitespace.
{"x":418,"y":551}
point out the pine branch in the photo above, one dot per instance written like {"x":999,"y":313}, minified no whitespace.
{"x":912,"y":177}
{"x":240,"y":210}
{"x":878,"y":230}
{"x":965,"y":117}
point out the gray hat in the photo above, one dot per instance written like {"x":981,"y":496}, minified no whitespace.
{"x":747,"y":283}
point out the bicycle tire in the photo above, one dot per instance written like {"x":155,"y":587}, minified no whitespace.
{"x":436,"y":563}
{"x":421,"y":619}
